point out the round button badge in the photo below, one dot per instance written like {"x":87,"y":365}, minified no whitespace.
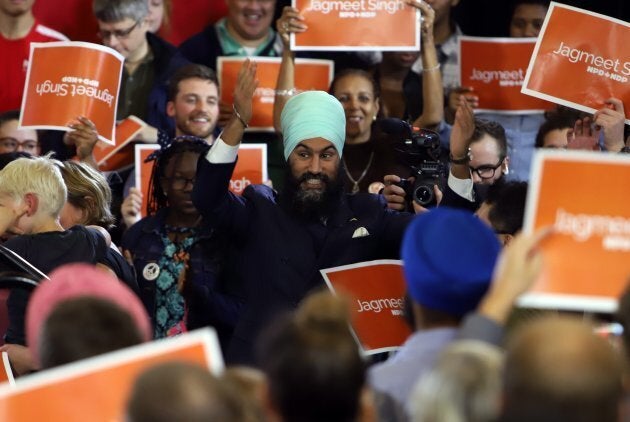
{"x":151,"y":271}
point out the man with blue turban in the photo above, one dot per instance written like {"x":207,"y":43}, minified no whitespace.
{"x":285,"y":238}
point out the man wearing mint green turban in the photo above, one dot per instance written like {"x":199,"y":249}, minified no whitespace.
{"x":284,"y":238}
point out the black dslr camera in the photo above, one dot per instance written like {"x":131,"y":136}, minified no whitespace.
{"x":419,"y":149}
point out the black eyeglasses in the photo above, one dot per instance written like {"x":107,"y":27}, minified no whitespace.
{"x":486,"y":171}
{"x":119,"y":34}
{"x":180,"y":183}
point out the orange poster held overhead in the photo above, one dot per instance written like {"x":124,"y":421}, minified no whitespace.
{"x":97,"y":389}
{"x":585,"y":196}
{"x":143,"y":172}
{"x":580,"y":60}
{"x":113,"y":157}
{"x":495,"y":69}
{"x":310,"y":74}
{"x":385,"y":25}
{"x":376,"y":290}
{"x":67,"y":79}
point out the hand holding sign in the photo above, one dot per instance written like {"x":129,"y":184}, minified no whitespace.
{"x":611,"y":120}
{"x":290,"y":22}
{"x":84,"y":136}
{"x":428,"y":18}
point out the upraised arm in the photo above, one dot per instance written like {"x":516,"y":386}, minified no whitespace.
{"x":290,"y":21}
{"x":432,"y":91}
{"x":246,"y":84}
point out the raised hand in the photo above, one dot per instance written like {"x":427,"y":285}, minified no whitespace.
{"x":290,"y":21}
{"x":611,"y":120}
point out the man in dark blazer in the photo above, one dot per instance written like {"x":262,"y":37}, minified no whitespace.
{"x":286,"y":238}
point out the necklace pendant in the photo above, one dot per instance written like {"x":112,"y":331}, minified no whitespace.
{"x":355,"y":188}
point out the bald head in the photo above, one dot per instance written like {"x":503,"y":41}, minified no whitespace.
{"x":557,"y":369}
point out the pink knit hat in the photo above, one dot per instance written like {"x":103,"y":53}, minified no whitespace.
{"x":80,"y":280}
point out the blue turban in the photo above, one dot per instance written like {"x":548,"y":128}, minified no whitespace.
{"x":449,"y":256}
{"x":313,"y":114}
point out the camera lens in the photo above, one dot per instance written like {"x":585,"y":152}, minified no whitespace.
{"x":423,"y":195}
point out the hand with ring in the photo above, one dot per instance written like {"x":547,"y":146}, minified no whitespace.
{"x":290,"y":21}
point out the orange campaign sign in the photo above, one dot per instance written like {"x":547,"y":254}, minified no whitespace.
{"x":385,"y":25}
{"x":580,"y":60}
{"x":377,"y":290}
{"x":97,"y":389}
{"x":143,"y":172}
{"x":6,"y":373}
{"x":251,"y":168}
{"x":585,"y":196}
{"x":310,"y":74}
{"x":113,"y":157}
{"x":495,"y":69}
{"x":67,"y":79}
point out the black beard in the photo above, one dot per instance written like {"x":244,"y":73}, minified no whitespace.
{"x":308,"y":204}
{"x":481,"y":190}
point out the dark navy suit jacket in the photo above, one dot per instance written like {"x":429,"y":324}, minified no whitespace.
{"x":280,"y":256}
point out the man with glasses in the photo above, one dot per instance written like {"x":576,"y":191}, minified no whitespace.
{"x":18,"y":29}
{"x":149,"y":60}
{"x":478,"y":157}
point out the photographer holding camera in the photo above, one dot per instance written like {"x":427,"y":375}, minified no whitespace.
{"x":478,"y":160}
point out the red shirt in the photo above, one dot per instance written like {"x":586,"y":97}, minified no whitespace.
{"x":15,"y":55}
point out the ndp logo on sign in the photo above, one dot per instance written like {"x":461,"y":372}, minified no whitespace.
{"x":504,"y":77}
{"x":610,"y":68}
{"x":394,"y":305}
{"x":355,"y":8}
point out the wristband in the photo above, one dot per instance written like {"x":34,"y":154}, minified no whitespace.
{"x":238,"y":116}
{"x":464,"y":160}
{"x":432,"y":69}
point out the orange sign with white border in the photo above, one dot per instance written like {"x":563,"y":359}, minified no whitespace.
{"x":385,"y":25}
{"x":143,"y":172}
{"x":68,"y":79}
{"x":585,"y":196}
{"x":495,"y":69}
{"x":310,"y":74}
{"x":113,"y":157}
{"x":97,"y":389}
{"x":377,"y":290}
{"x":580,"y":60}
{"x":251,"y":168}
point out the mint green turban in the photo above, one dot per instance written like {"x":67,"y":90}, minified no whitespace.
{"x":313,"y":114}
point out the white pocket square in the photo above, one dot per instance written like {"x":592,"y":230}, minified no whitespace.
{"x":360,"y":232}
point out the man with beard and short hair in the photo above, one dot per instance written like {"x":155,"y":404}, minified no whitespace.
{"x":286,"y":237}
{"x":478,"y":158}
